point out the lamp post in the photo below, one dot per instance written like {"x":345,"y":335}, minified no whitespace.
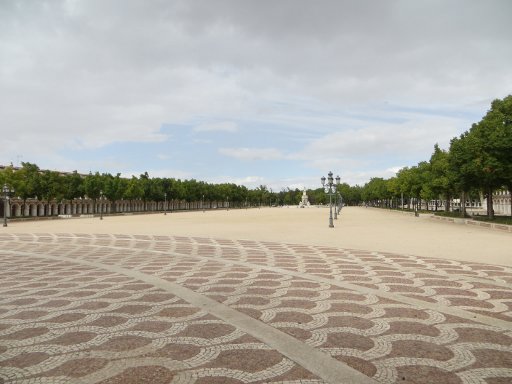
{"x":202,"y":203}
{"x":165,"y":203}
{"x":329,"y":189}
{"x":335,"y":206}
{"x":227,"y":205}
{"x":335,"y":191}
{"x":7,"y":191}
{"x":101,"y":205}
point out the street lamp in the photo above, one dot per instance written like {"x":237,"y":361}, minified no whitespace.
{"x":202,"y":203}
{"x":329,"y":189}
{"x":101,"y":205}
{"x":165,"y":203}
{"x":7,"y":191}
{"x":227,"y":206}
{"x":336,"y":197}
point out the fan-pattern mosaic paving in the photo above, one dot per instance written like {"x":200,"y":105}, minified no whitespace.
{"x":80,"y":308}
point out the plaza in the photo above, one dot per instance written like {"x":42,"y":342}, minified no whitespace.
{"x":267,"y":295}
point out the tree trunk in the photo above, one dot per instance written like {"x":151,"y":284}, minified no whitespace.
{"x":490,"y":210}
{"x":447,"y":204}
{"x":510,"y":195}
{"x":463,"y":204}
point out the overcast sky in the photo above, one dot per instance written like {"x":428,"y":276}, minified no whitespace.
{"x":253,"y":92}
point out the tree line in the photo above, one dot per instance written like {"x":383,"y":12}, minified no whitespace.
{"x":31,"y":182}
{"x":478,"y":162}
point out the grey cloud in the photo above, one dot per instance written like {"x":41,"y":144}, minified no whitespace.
{"x":340,"y":49}
{"x":92,"y":72}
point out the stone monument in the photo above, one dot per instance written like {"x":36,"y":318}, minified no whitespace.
{"x":304,"y":201}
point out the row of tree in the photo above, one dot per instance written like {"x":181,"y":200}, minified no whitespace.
{"x":29,"y":182}
{"x":477,"y":162}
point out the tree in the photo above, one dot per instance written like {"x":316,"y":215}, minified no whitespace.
{"x":262,"y":192}
{"x":376,"y":192}
{"x":27,"y":182}
{"x":460,"y":166}
{"x":350,"y":195}
{"x":176,"y":190}
{"x":395,"y":191}
{"x":318,"y":196}
{"x":158,"y":189}
{"x":484,"y":154}
{"x":114,"y":188}
{"x":419,"y":178}
{"x":93,"y":186}
{"x":133,"y":190}
{"x":146,"y":185}
{"x":73,"y":186}
{"x":500,"y":118}
{"x":7,"y":176}
{"x":289,"y":196}
{"x":441,"y":178}
{"x":52,"y":188}
{"x":403,"y":184}
{"x":192,"y":190}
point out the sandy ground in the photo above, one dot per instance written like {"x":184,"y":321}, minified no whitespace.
{"x":356,"y":228}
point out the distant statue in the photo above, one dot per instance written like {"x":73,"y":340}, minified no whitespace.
{"x":304,"y":201}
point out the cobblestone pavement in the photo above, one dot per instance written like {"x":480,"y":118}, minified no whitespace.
{"x":79,"y":308}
